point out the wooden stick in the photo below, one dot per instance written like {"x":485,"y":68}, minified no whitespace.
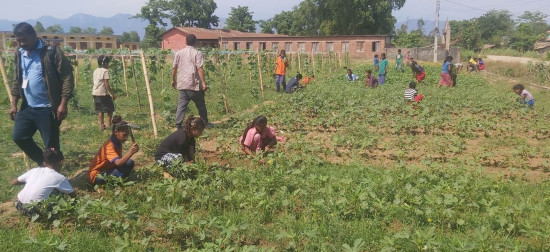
{"x":223,"y":83}
{"x":313,"y":61}
{"x":5,"y":77}
{"x":124,"y":70}
{"x":329,"y":63}
{"x":339,"y":60}
{"x":76,"y":72}
{"x":135,"y":82}
{"x":299,"y":63}
{"x":151,"y":107}
{"x":260,"y":71}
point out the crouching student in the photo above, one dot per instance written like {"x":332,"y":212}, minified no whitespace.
{"x":418,"y":71}
{"x":411,"y":94}
{"x":109,"y":160}
{"x":306,"y":80}
{"x":525,"y":97}
{"x":41,"y":182}
{"x":370,"y":80}
{"x":258,"y":136}
{"x":350,"y":76}
{"x":180,"y":145}
{"x":293,"y":84}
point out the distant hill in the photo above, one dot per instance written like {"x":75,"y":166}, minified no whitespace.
{"x":120,"y":23}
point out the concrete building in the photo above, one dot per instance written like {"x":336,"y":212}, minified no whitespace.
{"x":358,"y":46}
{"x":76,"y":41}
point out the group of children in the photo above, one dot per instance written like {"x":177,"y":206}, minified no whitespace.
{"x":475,"y":64}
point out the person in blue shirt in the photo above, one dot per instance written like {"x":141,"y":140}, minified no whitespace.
{"x":43,"y":80}
{"x":293,"y":84}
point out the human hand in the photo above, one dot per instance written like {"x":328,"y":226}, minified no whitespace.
{"x":61,"y":112}
{"x":13,"y":112}
{"x":174,"y":84}
{"x":204,"y":87}
{"x":135,"y":148}
{"x":113,"y":97}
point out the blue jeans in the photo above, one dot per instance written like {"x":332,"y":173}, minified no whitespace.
{"x":280,"y":79}
{"x":381,"y":79}
{"x":27,"y":122}
{"x":122,"y":171}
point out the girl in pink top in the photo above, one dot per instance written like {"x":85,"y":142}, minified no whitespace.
{"x":258,"y":136}
{"x":524,"y":96}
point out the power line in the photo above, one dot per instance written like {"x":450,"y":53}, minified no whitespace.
{"x":473,"y":8}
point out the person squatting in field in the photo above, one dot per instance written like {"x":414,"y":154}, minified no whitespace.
{"x":419,"y":74}
{"x":350,"y":76}
{"x":102,"y":92}
{"x":411,"y":94}
{"x":370,"y":80}
{"x":258,"y":136}
{"x":41,"y":182}
{"x":44,"y":82}
{"x":445,"y":79}
{"x":525,"y":97}
{"x":293,"y":84}
{"x":109,"y":160}
{"x":180,"y":145}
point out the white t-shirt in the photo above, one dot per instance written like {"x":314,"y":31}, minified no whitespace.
{"x":100,"y":75}
{"x":528,"y":96}
{"x":39,"y":184}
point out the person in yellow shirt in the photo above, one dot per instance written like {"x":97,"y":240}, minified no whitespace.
{"x":280,"y":70}
{"x":472,"y":64}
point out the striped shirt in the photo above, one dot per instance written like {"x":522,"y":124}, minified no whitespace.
{"x":410,"y":94}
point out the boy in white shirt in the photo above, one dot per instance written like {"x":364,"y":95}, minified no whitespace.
{"x":41,"y":182}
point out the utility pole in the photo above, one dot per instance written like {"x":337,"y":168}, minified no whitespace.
{"x":436,"y":28}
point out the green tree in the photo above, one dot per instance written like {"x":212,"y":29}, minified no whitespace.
{"x":154,"y":12}
{"x":38,"y":27}
{"x":75,"y":30}
{"x":282,"y":22}
{"x":192,"y":13}
{"x":420,"y":25}
{"x":55,"y":29}
{"x":494,"y":25}
{"x":523,"y":38}
{"x":132,"y":36}
{"x":106,"y":31}
{"x":266,"y":26}
{"x":240,"y":19}
{"x":90,"y":30}
{"x":537,"y":21}
{"x":466,"y":34}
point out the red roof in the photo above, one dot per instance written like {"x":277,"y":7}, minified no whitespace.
{"x":206,"y":34}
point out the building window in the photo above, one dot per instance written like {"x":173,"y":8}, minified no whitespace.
{"x":376,"y":46}
{"x":249,"y":46}
{"x":55,"y":37}
{"x":288,"y":46}
{"x":315,"y":47}
{"x":301,"y":46}
{"x":225,"y":45}
{"x":330,"y":46}
{"x":275,"y":46}
{"x":108,"y":45}
{"x":44,"y":37}
{"x":360,"y":46}
{"x":345,"y":46}
{"x":98,"y":38}
{"x":71,"y":37}
{"x":83,"y":45}
{"x":236,"y":46}
{"x":108,"y":38}
{"x":263,"y":46}
{"x":134,"y":47}
{"x":73,"y":45}
{"x":98,"y":45}
{"x":82,"y":37}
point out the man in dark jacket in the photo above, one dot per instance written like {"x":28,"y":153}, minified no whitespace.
{"x":44,"y":82}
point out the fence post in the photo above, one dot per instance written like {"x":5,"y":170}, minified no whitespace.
{"x":151,"y":106}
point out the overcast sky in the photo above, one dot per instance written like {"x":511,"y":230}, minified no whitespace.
{"x":262,"y":9}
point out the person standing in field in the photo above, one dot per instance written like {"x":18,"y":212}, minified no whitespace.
{"x":102,"y":92}
{"x":399,"y":61}
{"x":280,"y":70}
{"x":408,"y":58}
{"x":445,"y":79}
{"x":188,"y":79}
{"x":382,"y":70}
{"x":376,"y":63}
{"x":43,"y":80}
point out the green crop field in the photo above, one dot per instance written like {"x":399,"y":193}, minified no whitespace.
{"x":467,"y":170}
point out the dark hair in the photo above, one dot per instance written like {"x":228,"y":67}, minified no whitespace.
{"x":52,"y":156}
{"x":383,"y":54}
{"x":103,"y":60}
{"x":349,"y":69}
{"x":193,"y":123}
{"x":299,"y":76}
{"x":282,"y":51}
{"x":376,"y":55}
{"x":398,"y":50}
{"x":369,"y":71}
{"x":257,"y":121}
{"x":518,"y":87}
{"x":119,"y":124}
{"x":190,"y":39}
{"x":449,"y":58}
{"x":23,"y":29}
{"x":412,"y":84}
{"x":469,"y":57}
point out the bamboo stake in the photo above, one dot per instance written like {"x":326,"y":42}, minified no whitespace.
{"x":5,"y":77}
{"x":223,"y":83}
{"x":322,"y":62}
{"x":313,"y":61}
{"x":124,"y":70}
{"x":260,"y":71}
{"x":329,"y":64}
{"x":339,"y":60}
{"x":151,"y":106}
{"x":135,"y":82}
{"x":76,"y":72}
{"x":299,"y":63}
